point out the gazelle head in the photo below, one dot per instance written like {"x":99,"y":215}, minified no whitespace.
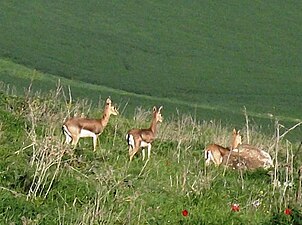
{"x":236,"y":139}
{"x":157,"y":115}
{"x":109,"y":108}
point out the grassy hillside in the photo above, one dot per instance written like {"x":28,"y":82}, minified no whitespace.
{"x":221,"y":56}
{"x":36,"y":81}
{"x":44,"y":181}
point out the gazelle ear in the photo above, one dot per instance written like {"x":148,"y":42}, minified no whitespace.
{"x":160,"y":108}
{"x":234,"y":131}
{"x":154,"y":109}
{"x":108,"y":101}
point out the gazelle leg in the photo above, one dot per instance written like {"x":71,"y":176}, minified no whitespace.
{"x":94,"y":142}
{"x":130,"y":149}
{"x":149,"y":150}
{"x":68,"y":139}
{"x":133,"y":152}
{"x":144,"y":154}
{"x":75,"y":140}
{"x":132,"y":155}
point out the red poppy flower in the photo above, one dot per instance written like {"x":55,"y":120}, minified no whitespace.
{"x":287,"y":211}
{"x":185,"y":212}
{"x":235,"y":207}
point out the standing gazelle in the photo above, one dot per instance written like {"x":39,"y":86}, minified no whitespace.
{"x":215,"y":153}
{"x":77,"y":127}
{"x":141,"y":138}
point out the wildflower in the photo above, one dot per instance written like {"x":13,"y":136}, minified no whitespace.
{"x":287,"y":211}
{"x":235,"y":207}
{"x":185,"y":212}
{"x":288,"y":184}
{"x":256,"y":203}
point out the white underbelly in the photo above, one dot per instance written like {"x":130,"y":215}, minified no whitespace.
{"x":144,"y":144}
{"x":87,"y":133}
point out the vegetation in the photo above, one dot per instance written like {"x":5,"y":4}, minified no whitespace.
{"x":212,"y":65}
{"x":44,"y":181}
{"x":209,"y":58}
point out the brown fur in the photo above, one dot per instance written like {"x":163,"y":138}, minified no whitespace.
{"x":216,"y":152}
{"x":144,"y":135}
{"x":247,"y":157}
{"x":73,"y":127}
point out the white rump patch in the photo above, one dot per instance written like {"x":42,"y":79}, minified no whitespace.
{"x":208,"y":157}
{"x":67,"y":135}
{"x":130,"y":140}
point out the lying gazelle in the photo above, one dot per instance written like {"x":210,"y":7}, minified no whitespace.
{"x":215,"y":153}
{"x":77,"y":127}
{"x":141,"y":138}
{"x":239,"y":156}
{"x":248,"y":157}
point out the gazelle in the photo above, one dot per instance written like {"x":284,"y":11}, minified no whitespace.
{"x":239,"y":156}
{"x":141,"y":138}
{"x":77,"y":127}
{"x":215,"y":153}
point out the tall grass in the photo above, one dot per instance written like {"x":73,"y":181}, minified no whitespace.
{"x":44,"y":181}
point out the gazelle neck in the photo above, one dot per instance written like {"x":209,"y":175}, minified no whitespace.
{"x":105,"y":118}
{"x":234,"y":144}
{"x":153,"y":124}
{"x":236,"y":139}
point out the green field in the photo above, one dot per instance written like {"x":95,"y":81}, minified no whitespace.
{"x":199,"y":55}
{"x":204,"y":61}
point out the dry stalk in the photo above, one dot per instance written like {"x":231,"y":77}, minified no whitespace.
{"x":1,"y":130}
{"x":299,"y":190}
{"x":142,"y":170}
{"x":115,"y":134}
{"x":288,"y":166}
{"x":275,"y":183}
{"x":7,"y":89}
{"x":247,"y":126}
{"x":178,"y":150}
{"x":47,"y":149}
{"x":96,"y":211}
{"x":47,"y":163}
{"x":290,"y":129}
{"x":141,"y":115}
{"x":286,"y":184}
{"x":184,"y":178}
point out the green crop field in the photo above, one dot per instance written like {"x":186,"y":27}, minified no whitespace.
{"x":207,"y":54}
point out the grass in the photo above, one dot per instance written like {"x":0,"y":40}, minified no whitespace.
{"x":44,"y":181}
